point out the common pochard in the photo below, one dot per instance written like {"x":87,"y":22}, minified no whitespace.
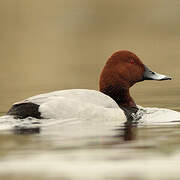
{"x":113,"y":101}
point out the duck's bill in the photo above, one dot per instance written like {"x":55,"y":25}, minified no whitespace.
{"x":150,"y":75}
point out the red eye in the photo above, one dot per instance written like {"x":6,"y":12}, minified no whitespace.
{"x":131,"y":61}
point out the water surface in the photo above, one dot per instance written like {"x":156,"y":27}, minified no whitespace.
{"x":54,"y":45}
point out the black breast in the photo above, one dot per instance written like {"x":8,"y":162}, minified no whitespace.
{"x":25,"y":110}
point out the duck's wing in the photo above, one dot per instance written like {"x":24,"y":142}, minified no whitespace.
{"x":78,"y":103}
{"x":67,"y":108}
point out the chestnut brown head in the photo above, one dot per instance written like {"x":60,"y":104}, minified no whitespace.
{"x":122,"y":70}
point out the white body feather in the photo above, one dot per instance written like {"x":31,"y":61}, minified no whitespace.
{"x":77,"y":103}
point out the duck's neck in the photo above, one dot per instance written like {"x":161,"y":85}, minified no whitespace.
{"x":121,"y":95}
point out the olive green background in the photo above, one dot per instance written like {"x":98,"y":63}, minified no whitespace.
{"x":48,"y":45}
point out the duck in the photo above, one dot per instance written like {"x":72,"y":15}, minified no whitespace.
{"x":122,"y":70}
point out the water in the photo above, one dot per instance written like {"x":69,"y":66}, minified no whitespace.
{"x":54,"y":45}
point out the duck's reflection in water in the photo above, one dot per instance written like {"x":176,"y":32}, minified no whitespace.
{"x":128,"y":131}
{"x":26,"y":130}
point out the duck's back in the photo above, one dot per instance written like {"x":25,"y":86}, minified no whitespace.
{"x":73,"y":103}
{"x":82,"y":95}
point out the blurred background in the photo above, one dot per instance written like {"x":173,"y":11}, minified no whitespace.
{"x":48,"y":45}
{"x":52,"y":45}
